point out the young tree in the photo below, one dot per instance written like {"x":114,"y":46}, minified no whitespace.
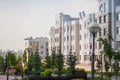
{"x":59,"y":62}
{"x":48,"y":61}
{"x":19,"y":65}
{"x":36,"y":64}
{"x":53,"y":58}
{"x":98,"y":65}
{"x":12,"y":60}
{"x":111,"y":55}
{"x":2,"y":64}
{"x":116,"y":65}
{"x":108,"y":51}
{"x":24,"y":57}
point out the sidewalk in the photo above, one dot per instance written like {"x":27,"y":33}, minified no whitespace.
{"x":4,"y":77}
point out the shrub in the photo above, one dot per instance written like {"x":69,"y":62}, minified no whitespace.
{"x":82,"y":69}
{"x":64,"y":70}
{"x":47,"y":72}
{"x":81,"y":75}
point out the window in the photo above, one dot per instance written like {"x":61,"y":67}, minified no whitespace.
{"x":41,"y":52}
{"x":104,"y":18}
{"x":67,"y":47}
{"x":80,"y":27}
{"x":104,"y":7}
{"x":84,"y":35}
{"x":90,"y":45}
{"x":80,"y":47}
{"x":118,"y":17}
{"x":118,"y":44}
{"x":104,"y":31}
{"x":67,"y":38}
{"x":89,"y":52}
{"x":117,"y":30}
{"x":80,"y":37}
{"x":67,"y":28}
{"x":41,"y":46}
{"x":85,"y":24}
{"x":100,"y":32}
{"x":57,"y":30}
{"x":95,"y":45}
{"x":100,"y":45}
{"x":100,"y":20}
{"x":79,"y":57}
{"x":86,"y":57}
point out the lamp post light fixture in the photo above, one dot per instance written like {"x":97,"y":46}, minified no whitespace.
{"x":93,"y":28}
{"x":28,"y":71}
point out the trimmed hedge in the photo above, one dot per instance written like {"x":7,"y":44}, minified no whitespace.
{"x":80,"y":75}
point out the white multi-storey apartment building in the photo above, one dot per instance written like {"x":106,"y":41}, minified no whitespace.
{"x":51,"y":40}
{"x":108,"y":19}
{"x":59,"y":31}
{"x":71,"y":35}
{"x":118,"y":26}
{"x":39,"y":43}
{"x":66,"y":34}
{"x":85,"y":39}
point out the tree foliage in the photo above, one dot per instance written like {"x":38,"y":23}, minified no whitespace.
{"x":12,"y":60}
{"x":53,"y":56}
{"x":59,"y":62}
{"x":2,"y":64}
{"x":36,"y":64}
{"x":24,"y":57}
{"x":109,"y":52}
{"x":71,"y":59}
{"x":48,"y":61}
{"x":111,"y":55}
{"x":98,"y":65}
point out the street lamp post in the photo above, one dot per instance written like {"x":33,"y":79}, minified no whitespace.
{"x":93,"y":28}
{"x":28,"y":71}
{"x":101,"y":67}
{"x":7,"y":64}
{"x":7,"y":69}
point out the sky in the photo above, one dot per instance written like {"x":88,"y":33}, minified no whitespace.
{"x":20,"y":19}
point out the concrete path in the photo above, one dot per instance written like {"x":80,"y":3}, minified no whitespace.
{"x":4,"y":77}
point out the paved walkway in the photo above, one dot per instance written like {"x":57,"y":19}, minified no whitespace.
{"x":4,"y":77}
{"x":114,"y":78}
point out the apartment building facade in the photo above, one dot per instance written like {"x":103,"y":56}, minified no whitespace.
{"x":51,"y":40}
{"x":108,"y":19}
{"x":65,"y":35}
{"x":60,"y":19}
{"x":39,"y":43}
{"x":73,"y":35}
